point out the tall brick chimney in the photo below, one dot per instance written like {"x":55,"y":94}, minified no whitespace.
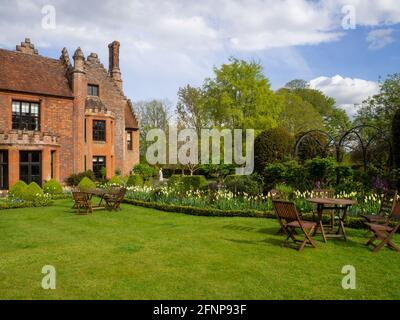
{"x":79,"y":86}
{"x":113,"y":67}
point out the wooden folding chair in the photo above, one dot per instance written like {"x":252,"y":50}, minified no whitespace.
{"x":113,"y":200}
{"x":82,"y":201}
{"x":289,"y":220}
{"x":388,"y":203}
{"x":385,"y":232}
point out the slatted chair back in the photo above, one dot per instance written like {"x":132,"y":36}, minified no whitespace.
{"x":78,"y":196}
{"x":395,"y":214}
{"x":324,"y":193}
{"x":285,"y":210}
{"x":388,"y":203}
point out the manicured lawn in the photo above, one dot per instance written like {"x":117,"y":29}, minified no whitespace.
{"x":146,"y":254}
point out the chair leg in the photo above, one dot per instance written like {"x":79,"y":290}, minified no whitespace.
{"x":393,"y":246}
{"x":380,"y":246}
{"x":322,"y":231}
{"x":310,"y":239}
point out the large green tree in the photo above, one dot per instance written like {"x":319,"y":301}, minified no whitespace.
{"x":379,"y":109}
{"x":298,"y":116}
{"x":271,"y":146}
{"x":239,"y":96}
{"x":336,"y":121}
{"x":191,"y":110}
{"x":154,"y":114}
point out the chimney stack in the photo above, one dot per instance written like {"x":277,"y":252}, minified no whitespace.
{"x":113,"y":67}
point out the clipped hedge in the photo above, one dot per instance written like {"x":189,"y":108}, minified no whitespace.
{"x":86,"y":184}
{"x":52,"y":187}
{"x":210,"y":212}
{"x":17,"y":190}
{"x":135,"y":180}
{"x":116,"y":180}
{"x":351,"y":222}
{"x":32,"y":192}
{"x":243,"y":184}
{"x":196,"y":182}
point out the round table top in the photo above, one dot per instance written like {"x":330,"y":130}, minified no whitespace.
{"x":331,"y":201}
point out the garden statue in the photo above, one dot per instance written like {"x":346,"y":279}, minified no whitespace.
{"x":161,"y":175}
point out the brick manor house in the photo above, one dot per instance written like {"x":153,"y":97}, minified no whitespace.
{"x":59,"y":118}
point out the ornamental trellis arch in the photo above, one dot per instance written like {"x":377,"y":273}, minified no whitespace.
{"x":350,"y":140}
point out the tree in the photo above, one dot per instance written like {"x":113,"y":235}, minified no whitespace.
{"x":380,"y":109}
{"x":298,"y":115}
{"x":239,"y":96}
{"x":218,"y":171}
{"x":297,"y":84}
{"x":191,"y":109}
{"x":395,"y":138}
{"x":152,"y":114}
{"x":271,"y":146}
{"x":336,"y":121}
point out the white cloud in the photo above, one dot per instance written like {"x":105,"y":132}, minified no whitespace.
{"x":380,"y":38}
{"x":168,"y":43}
{"x":347,"y":92}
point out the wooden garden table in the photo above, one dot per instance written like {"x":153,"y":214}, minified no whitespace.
{"x":97,"y":193}
{"x":339,"y":205}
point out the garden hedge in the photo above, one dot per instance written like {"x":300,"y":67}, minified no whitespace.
{"x":86,"y":184}
{"x":352,"y":222}
{"x":52,"y":187}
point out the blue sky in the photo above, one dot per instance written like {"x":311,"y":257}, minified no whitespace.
{"x":166,"y":44}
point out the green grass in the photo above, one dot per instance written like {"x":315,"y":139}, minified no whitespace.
{"x":140,"y":253}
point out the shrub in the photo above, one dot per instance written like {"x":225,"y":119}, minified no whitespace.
{"x":344,"y":174}
{"x":135,"y":180}
{"x":174,"y":180}
{"x":103,"y":172}
{"x":17,"y":190}
{"x":271,"y":146}
{"x":52,"y":187}
{"x":217,"y":171}
{"x":145,"y":171}
{"x":74,"y":179}
{"x":243,"y":184}
{"x":321,"y":171}
{"x":289,"y":172}
{"x":32,"y":192}
{"x":116,"y":180}
{"x":194,"y":182}
{"x":285,"y":191}
{"x":86,"y":184}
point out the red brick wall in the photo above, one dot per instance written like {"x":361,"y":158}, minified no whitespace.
{"x":114,"y":100}
{"x":56,"y":117}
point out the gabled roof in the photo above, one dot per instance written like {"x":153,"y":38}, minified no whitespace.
{"x":32,"y":73}
{"x":130,"y":117}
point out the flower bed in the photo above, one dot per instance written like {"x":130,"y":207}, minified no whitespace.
{"x":225,"y":203}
